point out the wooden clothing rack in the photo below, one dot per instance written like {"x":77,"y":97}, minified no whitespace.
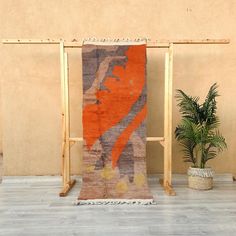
{"x":68,"y":141}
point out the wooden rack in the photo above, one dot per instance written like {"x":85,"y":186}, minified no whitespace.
{"x":67,"y":141}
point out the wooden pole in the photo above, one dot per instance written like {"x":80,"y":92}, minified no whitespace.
{"x":67,"y":182}
{"x":170,"y":97}
{"x":166,"y":117}
{"x":166,"y":182}
{"x":150,"y":43}
{"x":67,"y":121}
{"x":62,"y":72}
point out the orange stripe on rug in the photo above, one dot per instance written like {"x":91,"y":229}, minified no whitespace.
{"x":115,"y":102}
{"x":125,"y":135}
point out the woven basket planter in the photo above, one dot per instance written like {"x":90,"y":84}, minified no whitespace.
{"x":200,"y":179}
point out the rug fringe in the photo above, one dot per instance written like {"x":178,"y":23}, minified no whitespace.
{"x":122,"y":41}
{"x":116,"y":202}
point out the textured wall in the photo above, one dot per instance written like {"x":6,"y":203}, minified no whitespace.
{"x":30,"y":88}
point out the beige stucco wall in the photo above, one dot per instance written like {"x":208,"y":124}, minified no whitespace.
{"x":30,"y":88}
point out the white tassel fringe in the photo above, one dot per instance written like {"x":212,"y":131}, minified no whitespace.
{"x":108,"y":41}
{"x":116,"y":202}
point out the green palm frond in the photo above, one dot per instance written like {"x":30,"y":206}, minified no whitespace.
{"x":189,"y":107}
{"x":187,"y":130}
{"x":188,"y":150}
{"x":209,"y":107}
{"x":216,"y":140}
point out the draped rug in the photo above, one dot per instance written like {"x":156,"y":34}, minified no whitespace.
{"x":114,"y":124}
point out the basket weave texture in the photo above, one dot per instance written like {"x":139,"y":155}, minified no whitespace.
{"x":200,"y":179}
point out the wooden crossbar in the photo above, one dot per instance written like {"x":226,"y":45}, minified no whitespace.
{"x":68,"y":141}
{"x":150,"y":139}
{"x":150,"y":44}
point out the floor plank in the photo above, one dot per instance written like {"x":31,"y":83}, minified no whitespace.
{"x":34,"y":208}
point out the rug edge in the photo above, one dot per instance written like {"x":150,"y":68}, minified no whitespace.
{"x":116,"y":202}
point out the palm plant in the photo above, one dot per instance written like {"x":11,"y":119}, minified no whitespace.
{"x":197,"y":131}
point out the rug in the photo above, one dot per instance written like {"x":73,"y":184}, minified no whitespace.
{"x":114,"y":124}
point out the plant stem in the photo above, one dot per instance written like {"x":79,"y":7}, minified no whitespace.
{"x":202,"y":153}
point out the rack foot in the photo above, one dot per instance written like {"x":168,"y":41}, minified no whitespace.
{"x":168,"y":188}
{"x":67,"y":188}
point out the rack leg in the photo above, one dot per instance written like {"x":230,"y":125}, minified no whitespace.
{"x":67,"y":182}
{"x":166,"y":182}
{"x":67,"y":187}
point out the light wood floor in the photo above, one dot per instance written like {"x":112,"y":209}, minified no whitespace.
{"x":32,"y":207}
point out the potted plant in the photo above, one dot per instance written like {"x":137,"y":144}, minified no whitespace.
{"x":199,"y":136}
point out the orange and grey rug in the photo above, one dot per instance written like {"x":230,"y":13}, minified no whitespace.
{"x":114,"y":124}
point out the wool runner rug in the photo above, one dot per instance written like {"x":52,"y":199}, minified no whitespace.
{"x":114,"y":124}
